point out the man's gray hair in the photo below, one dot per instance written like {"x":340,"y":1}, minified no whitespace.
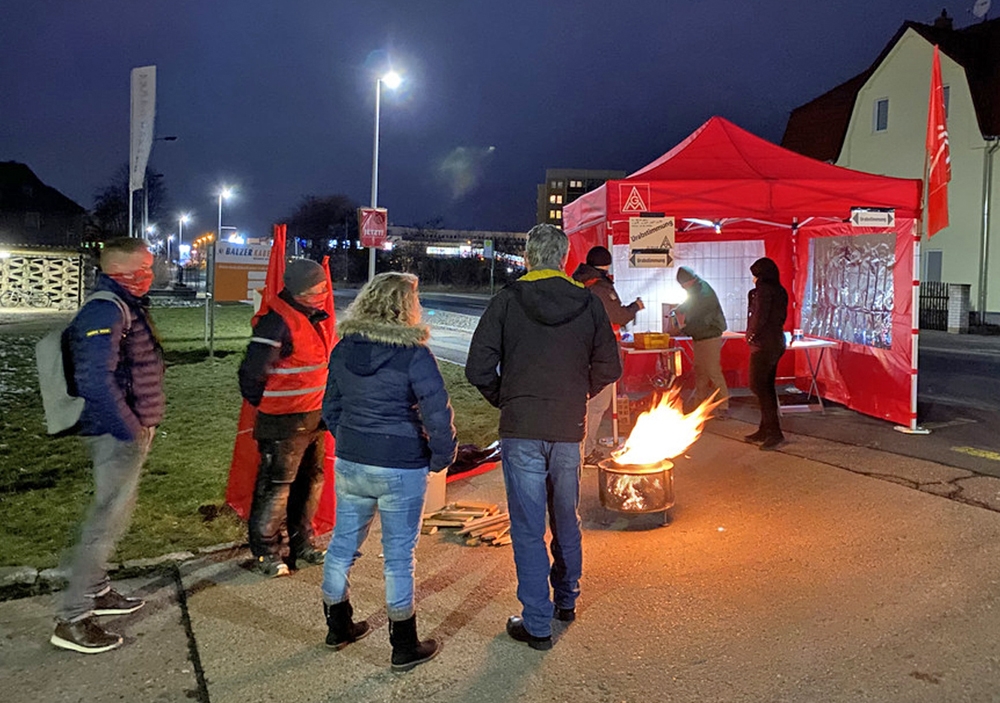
{"x":546,"y":248}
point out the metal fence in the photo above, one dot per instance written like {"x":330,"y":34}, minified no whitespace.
{"x":933,"y":305}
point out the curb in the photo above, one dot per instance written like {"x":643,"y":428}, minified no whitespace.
{"x":25,"y":581}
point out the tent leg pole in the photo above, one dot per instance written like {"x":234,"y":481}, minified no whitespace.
{"x":913,"y":427}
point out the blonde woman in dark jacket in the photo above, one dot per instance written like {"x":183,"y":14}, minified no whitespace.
{"x":387,"y":406}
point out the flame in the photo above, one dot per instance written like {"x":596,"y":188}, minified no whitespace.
{"x":664,"y":431}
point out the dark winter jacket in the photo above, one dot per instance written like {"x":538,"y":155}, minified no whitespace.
{"x":385,"y":398}
{"x":272,"y":340}
{"x":767,"y":308}
{"x":603,"y":286}
{"x":703,"y":316}
{"x":118,"y":372}
{"x":543,"y":344}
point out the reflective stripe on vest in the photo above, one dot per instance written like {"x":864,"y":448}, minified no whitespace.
{"x":297,"y":382}
{"x":297,"y":369}
{"x":289,"y":394}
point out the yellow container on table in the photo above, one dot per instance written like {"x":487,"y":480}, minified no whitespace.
{"x":652,"y":340}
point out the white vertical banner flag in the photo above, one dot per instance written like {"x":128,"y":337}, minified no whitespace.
{"x":143,"y":116}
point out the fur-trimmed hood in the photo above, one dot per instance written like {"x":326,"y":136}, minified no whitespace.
{"x":367,"y":345}
{"x":384,"y":332}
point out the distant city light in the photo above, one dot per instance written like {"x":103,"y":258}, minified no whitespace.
{"x":236,"y":238}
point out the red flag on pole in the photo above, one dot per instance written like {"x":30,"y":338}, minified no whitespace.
{"x":938,"y":154}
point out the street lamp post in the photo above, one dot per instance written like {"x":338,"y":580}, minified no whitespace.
{"x":181,"y":221}
{"x":392,"y":80}
{"x":224,"y":194}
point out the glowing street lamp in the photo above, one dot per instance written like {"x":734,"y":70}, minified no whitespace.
{"x":392,"y":80}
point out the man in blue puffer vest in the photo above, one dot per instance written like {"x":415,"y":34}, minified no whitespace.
{"x":118,"y":371}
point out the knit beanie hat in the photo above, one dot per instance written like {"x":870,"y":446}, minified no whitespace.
{"x":303,"y":274}
{"x":684,"y":275}
{"x":598,"y":256}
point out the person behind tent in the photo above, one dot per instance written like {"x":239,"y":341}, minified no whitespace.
{"x":700,"y":317}
{"x":388,"y":408}
{"x":543,"y":345}
{"x":766,"y":311}
{"x":118,"y":368}
{"x":284,"y":375}
{"x":594,"y":275}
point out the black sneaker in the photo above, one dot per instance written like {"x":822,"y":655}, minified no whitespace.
{"x":272,"y":567}
{"x":772,"y":443}
{"x":755,"y":438}
{"x":84,"y":636}
{"x":517,"y":631}
{"x":565,"y":614}
{"x":111,"y":602}
{"x":309,"y":557}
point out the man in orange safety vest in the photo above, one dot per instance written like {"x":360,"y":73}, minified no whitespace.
{"x":284,"y":376}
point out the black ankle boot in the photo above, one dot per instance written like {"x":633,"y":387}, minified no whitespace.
{"x":342,"y":630}
{"x":407,"y":650}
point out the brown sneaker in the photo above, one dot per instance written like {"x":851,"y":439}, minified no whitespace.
{"x":84,"y":636}
{"x":112,"y":602}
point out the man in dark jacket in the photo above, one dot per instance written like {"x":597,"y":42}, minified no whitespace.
{"x":700,"y":317}
{"x":766,"y":312}
{"x":284,"y":376}
{"x":543,"y":345}
{"x":118,"y":371}
{"x":594,"y":275}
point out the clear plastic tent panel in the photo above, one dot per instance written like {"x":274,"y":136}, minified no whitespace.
{"x":849,"y":290}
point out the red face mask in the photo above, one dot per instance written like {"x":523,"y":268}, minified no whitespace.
{"x":313,"y":301}
{"x":136,"y":282}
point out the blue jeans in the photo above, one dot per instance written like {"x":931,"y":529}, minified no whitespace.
{"x":540,"y":475}
{"x":399,"y":496}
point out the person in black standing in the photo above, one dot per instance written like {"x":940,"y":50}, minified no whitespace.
{"x":766,"y":312}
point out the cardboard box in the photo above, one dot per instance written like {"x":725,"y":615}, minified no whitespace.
{"x":436,"y":497}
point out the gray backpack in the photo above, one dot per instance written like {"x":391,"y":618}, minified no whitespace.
{"x":62,"y":410}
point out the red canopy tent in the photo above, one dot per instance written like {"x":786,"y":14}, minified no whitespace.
{"x":723,"y":183}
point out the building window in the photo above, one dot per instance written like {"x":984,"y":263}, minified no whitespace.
{"x":576,"y":184}
{"x":947,"y":98}
{"x":555,"y":214}
{"x":558,"y":214}
{"x":882,"y":115}
{"x":32,"y":220}
{"x":554,"y":185}
{"x":934,"y":260}
{"x":556,"y":198}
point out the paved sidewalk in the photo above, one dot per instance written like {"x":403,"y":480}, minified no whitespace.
{"x":781,"y":578}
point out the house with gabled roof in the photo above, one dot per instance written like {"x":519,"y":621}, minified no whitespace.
{"x":877,"y":122}
{"x":32,"y":213}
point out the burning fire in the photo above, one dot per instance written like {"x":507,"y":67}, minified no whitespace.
{"x":664,"y":431}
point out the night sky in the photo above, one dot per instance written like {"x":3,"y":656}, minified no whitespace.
{"x":277,"y":98}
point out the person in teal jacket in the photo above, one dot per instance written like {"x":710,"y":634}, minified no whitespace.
{"x":700,"y":317}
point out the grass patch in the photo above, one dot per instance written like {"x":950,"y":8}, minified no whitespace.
{"x":45,"y":483}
